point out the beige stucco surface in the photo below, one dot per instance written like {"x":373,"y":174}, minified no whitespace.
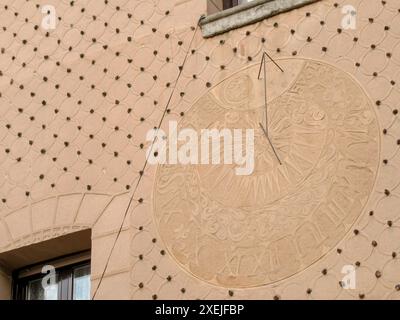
{"x":77,"y":101}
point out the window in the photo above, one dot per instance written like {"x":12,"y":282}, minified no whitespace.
{"x":61,"y":279}
{"x":229,"y":4}
{"x":219,"y":5}
{"x":232,"y":3}
{"x":227,"y":15}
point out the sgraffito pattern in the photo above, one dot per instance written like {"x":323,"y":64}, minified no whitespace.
{"x":77,"y":101}
{"x":370,"y":55}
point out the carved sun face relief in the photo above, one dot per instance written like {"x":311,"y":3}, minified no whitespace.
{"x":243,"y":231}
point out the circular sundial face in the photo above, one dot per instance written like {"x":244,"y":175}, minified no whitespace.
{"x":243,"y":231}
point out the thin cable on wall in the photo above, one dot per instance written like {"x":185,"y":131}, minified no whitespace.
{"x":146,"y":162}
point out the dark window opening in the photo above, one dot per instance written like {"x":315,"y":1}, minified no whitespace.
{"x":215,"y":6}
{"x":230,"y":4}
{"x":67,"y":278}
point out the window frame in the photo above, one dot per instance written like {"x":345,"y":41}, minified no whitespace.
{"x":65,"y":277}
{"x":245,"y":14}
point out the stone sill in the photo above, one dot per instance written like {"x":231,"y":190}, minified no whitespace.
{"x":246,"y":14}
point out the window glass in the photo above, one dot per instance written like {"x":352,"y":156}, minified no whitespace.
{"x":244,"y":1}
{"x":40,"y":290}
{"x":68,"y":282}
{"x":81,"y":283}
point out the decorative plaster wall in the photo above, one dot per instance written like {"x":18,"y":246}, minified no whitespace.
{"x":77,"y":101}
{"x":295,"y":206}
